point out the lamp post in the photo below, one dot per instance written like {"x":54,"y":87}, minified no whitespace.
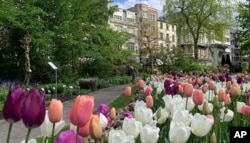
{"x":55,"y":69}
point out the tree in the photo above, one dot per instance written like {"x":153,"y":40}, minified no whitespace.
{"x":209,"y":18}
{"x":243,"y":21}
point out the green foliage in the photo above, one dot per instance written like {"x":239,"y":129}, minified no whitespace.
{"x":195,"y":67}
{"x":244,"y":66}
{"x":3,"y":95}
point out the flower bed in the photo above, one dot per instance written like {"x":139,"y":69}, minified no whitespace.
{"x":168,"y":108}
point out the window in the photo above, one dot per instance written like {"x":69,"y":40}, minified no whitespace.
{"x":173,"y":28}
{"x":161,"y":25}
{"x":152,"y":17}
{"x":117,"y":17}
{"x":131,"y":46}
{"x":167,"y":37}
{"x":173,"y":38}
{"x":161,"y":36}
{"x":130,"y":20}
{"x":166,"y":26}
{"x":144,"y":14}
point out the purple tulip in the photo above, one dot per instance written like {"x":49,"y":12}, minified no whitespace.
{"x":127,"y":114}
{"x":33,"y":108}
{"x":222,"y":77}
{"x":104,"y":109}
{"x":239,"y":79}
{"x":11,"y":109}
{"x":171,"y":88}
{"x":68,"y":136}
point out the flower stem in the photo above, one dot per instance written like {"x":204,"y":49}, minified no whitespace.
{"x":45,"y":139}
{"x":77,"y":132}
{"x":9,"y":131}
{"x":53,"y":134}
{"x":27,"y":136}
{"x":186,"y":103}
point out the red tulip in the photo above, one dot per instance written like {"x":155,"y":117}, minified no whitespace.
{"x":221,"y":95}
{"x":140,"y":84}
{"x":95,"y":129}
{"x":81,"y":110}
{"x":149,"y":101}
{"x":198,"y":97}
{"x":148,"y":91}
{"x":33,"y":108}
{"x":188,"y":90}
{"x":12,"y":105}
{"x":127,"y":91}
{"x":55,"y":110}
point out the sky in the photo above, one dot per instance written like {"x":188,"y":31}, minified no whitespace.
{"x":158,"y":4}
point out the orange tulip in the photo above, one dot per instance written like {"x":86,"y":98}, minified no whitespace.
{"x":198,"y":97}
{"x":84,"y":130}
{"x":211,"y":85}
{"x":235,"y":90}
{"x":95,"y":129}
{"x":113,"y":113}
{"x":140,"y":84}
{"x":188,"y":90}
{"x":55,"y":110}
{"x":81,"y":110}
{"x":148,"y":91}
{"x":127,"y":91}
{"x":180,"y":89}
{"x":227,"y":99}
{"x":149,"y":101}
{"x":221,"y":95}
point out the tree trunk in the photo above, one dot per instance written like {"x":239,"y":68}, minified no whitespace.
{"x":25,"y":45}
{"x":196,"y":49}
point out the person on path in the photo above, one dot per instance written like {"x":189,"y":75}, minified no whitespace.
{"x":133,"y":74}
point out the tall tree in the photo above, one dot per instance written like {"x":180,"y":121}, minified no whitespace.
{"x":209,"y":18}
{"x":243,"y":23}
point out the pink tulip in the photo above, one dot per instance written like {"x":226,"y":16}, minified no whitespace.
{"x":245,"y":109}
{"x":127,"y":91}
{"x":198,"y":97}
{"x":149,"y":101}
{"x":140,"y":84}
{"x":188,"y":90}
{"x":148,"y":91}
{"x":211,"y":85}
{"x":84,"y":130}
{"x":227,"y":99}
{"x":211,"y":117}
{"x":68,"y":136}
{"x":221,"y":95}
{"x":55,"y":110}
{"x":81,"y":110}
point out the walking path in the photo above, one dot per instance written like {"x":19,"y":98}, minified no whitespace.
{"x":19,"y":131}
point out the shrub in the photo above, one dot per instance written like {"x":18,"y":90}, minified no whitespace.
{"x":87,"y":83}
{"x":244,"y":66}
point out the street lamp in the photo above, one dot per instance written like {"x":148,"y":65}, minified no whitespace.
{"x":55,"y":69}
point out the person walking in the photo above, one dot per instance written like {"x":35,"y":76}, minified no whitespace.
{"x":133,"y":74}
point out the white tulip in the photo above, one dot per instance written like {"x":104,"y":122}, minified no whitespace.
{"x":226,"y":117}
{"x":103,"y":121}
{"x":190,"y":104}
{"x":131,"y":127}
{"x":201,"y":125}
{"x":159,"y":90}
{"x":119,"y":136}
{"x":172,"y":103}
{"x":239,"y":106}
{"x":209,"y":95}
{"x":183,"y":116}
{"x":210,"y":106}
{"x":149,"y":134}
{"x":161,"y":115}
{"x":139,"y":103}
{"x":179,"y":132}
{"x":144,"y":115}
{"x":46,"y":127}
{"x":30,"y":141}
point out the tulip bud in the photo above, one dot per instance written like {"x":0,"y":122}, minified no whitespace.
{"x":216,"y":103}
{"x":149,"y":101}
{"x":205,"y":109}
{"x":55,"y":110}
{"x":140,"y":84}
{"x":235,"y":91}
{"x":148,"y":91}
{"x":95,"y":129}
{"x":211,"y":85}
{"x":228,"y":85}
{"x":221,"y":95}
{"x":113,"y":113}
{"x":227,"y":99}
{"x":213,"y":138}
{"x":188,"y":90}
{"x":198,"y":97}
{"x":84,"y":130}
{"x":127,"y":91}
